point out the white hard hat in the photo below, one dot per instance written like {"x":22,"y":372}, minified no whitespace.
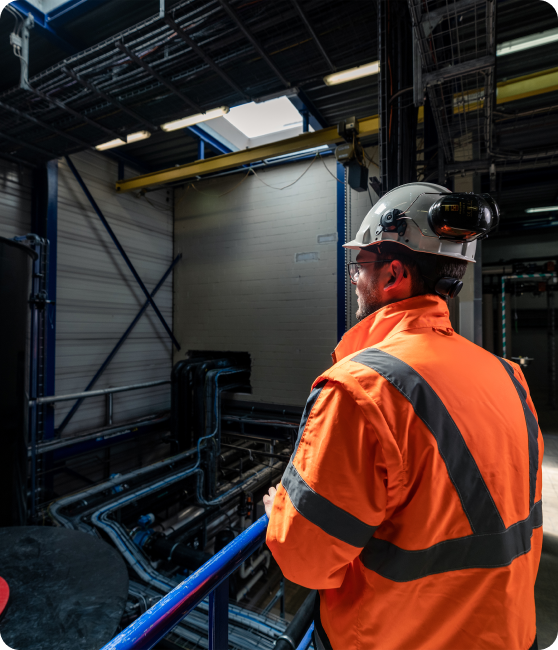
{"x":428,"y":218}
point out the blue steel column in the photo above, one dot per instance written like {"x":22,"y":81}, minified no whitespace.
{"x":341,"y":269}
{"x":219,"y":617}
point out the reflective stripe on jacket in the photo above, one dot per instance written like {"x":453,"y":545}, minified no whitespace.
{"x":412,"y":501}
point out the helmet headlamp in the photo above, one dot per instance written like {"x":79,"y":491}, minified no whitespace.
{"x":463,"y":216}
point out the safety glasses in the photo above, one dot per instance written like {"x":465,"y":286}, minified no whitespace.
{"x":353,"y":268}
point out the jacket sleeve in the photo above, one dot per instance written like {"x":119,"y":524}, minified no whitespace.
{"x":333,"y":493}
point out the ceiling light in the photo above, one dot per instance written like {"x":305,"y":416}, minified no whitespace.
{"x":133,"y":137}
{"x":195,"y":119}
{"x":551,"y":208}
{"x":527,"y":42}
{"x":353,"y":73}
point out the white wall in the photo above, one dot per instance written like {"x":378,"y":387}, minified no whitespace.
{"x":97,"y":296}
{"x":15,"y":200}
{"x":240,"y":288}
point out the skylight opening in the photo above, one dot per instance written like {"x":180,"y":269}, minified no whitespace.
{"x":255,"y":120}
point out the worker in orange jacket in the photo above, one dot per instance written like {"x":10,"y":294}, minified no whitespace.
{"x":412,"y":501}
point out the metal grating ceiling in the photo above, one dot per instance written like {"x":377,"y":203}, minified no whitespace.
{"x":198,"y":56}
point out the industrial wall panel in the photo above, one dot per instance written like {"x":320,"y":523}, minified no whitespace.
{"x":98,"y":297}
{"x":15,"y":199}
{"x":254,"y":277}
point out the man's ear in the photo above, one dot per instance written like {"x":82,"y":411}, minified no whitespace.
{"x":398,"y":274}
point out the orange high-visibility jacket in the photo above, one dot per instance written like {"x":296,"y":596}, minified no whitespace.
{"x":412,"y":501}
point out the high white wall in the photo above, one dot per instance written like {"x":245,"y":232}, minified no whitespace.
{"x":15,"y":199}
{"x":97,"y":296}
{"x":254,"y":277}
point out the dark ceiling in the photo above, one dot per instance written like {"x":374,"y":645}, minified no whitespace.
{"x":134,"y":70}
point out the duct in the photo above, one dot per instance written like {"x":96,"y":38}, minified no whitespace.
{"x":247,"y":630}
{"x":61,"y":519}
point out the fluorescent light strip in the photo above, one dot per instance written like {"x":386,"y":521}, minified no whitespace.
{"x":551,"y":208}
{"x":195,"y":119}
{"x":353,"y":73}
{"x":527,"y":42}
{"x":133,"y":137}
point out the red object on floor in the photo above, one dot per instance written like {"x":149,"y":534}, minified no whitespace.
{"x":4,"y":594}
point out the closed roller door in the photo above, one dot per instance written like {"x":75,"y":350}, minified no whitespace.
{"x":97,"y":296}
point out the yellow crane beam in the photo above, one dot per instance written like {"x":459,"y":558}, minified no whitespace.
{"x":538,"y":83}
{"x":367,"y":126}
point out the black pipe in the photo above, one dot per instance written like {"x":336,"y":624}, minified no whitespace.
{"x":185,"y":556}
{"x":297,"y":628}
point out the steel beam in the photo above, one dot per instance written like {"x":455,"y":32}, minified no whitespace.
{"x":44,"y":125}
{"x":142,"y":64}
{"x":208,"y":139}
{"x":317,"y":41}
{"x":210,"y":62}
{"x":51,"y":100}
{"x":28,"y":145}
{"x":71,"y":10}
{"x":16,"y":159}
{"x":452,"y":71}
{"x":120,"y":249}
{"x":432,"y":17}
{"x":117,"y":347}
{"x":41,"y":23}
{"x":97,"y":91}
{"x":257,"y":46}
{"x":367,"y":126}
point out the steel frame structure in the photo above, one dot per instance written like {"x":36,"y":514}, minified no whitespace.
{"x":456,"y":47}
{"x":144,"y":75}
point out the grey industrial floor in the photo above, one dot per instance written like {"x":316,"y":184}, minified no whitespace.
{"x":546,"y":589}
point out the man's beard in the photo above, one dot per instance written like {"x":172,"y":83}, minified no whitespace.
{"x":369,"y":302}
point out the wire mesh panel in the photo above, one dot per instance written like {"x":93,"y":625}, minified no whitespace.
{"x":456,"y":45}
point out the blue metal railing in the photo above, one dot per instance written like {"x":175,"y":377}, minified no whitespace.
{"x":212,"y":579}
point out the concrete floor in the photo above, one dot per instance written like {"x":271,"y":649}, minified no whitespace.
{"x":546,"y":589}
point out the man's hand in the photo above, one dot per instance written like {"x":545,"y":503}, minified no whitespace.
{"x":269,"y":498}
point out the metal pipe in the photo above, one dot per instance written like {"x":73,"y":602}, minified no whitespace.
{"x":118,"y":245}
{"x":117,"y":347}
{"x":95,"y":393}
{"x":159,"y":620}
{"x":109,"y":408}
{"x":57,"y":506}
{"x":242,"y":592}
{"x":98,"y":434}
{"x":298,"y":626}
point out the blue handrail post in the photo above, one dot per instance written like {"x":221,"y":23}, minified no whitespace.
{"x":219,"y":617}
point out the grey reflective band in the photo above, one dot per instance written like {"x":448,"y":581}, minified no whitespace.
{"x":322,"y":513}
{"x":532,"y":432}
{"x":463,"y":471}
{"x":472,"y":552}
{"x":307,"y":410}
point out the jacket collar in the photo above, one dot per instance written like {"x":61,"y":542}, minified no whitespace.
{"x":413,"y":313}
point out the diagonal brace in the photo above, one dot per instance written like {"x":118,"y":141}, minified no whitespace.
{"x":117,"y":347}
{"x":122,"y":252}
{"x":150,"y":70}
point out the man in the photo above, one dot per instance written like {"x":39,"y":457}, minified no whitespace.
{"x":412,"y":501}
